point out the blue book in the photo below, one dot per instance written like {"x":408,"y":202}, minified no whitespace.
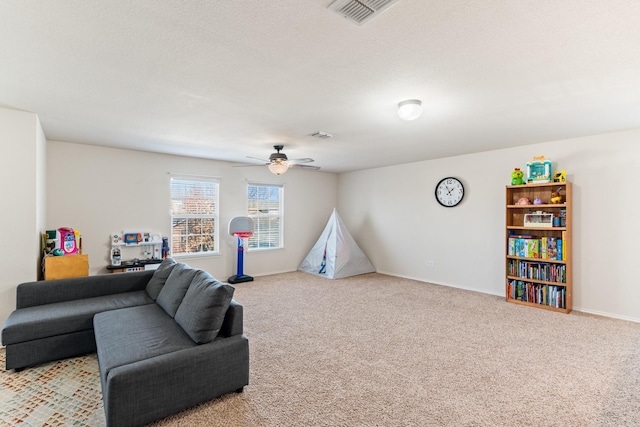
{"x":560,"y":249}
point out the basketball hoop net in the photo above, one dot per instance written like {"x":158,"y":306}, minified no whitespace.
{"x":243,"y":234}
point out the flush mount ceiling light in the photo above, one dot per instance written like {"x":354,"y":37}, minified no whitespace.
{"x":410,"y":109}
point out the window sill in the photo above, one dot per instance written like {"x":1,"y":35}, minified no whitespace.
{"x":193,"y":255}
{"x":264,"y":249}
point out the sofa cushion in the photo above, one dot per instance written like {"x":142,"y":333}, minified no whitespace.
{"x":202,"y":310}
{"x":32,"y":323}
{"x":159,"y":277}
{"x":134,"y":334}
{"x":175,"y":288}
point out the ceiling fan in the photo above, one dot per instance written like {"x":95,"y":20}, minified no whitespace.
{"x":278,"y":162}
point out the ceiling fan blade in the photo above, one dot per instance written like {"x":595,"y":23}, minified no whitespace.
{"x":278,"y":157}
{"x":295,"y":165}
{"x":256,"y":158}
{"x":249,"y":165}
{"x":305,"y":160}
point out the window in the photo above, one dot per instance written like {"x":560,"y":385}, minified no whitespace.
{"x":265,"y":207}
{"x":194,"y":216}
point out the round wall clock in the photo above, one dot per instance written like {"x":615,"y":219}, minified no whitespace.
{"x":449,"y":192}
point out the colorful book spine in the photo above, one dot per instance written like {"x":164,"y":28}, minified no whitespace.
{"x":533,"y":248}
{"x":537,"y":293}
{"x":552,"y":249}
{"x":559,"y":255}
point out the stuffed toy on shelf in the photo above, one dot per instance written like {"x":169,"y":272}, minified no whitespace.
{"x":516,"y":177}
{"x":556,"y":197}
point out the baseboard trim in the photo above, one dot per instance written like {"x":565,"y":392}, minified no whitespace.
{"x":606,"y":314}
{"x":579,"y":309}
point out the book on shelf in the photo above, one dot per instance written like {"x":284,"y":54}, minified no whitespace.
{"x":552,"y":248}
{"x":559,"y":257}
{"x":539,"y":248}
{"x":533,"y":248}
{"x":537,"y":293}
{"x":537,"y":270}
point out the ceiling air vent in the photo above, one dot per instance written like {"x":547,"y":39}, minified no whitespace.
{"x":322,"y":135}
{"x":360,"y":11}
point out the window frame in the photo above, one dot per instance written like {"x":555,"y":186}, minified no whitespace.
{"x":215,"y":216}
{"x":255,"y":217}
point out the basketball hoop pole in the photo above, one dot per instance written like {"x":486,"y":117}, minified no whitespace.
{"x":240,"y":276}
{"x":239,"y":271}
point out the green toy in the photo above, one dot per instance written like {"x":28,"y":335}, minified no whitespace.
{"x":516,"y":177}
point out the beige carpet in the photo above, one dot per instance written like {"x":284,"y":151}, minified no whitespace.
{"x":375,"y":350}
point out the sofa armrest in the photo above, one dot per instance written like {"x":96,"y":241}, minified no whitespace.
{"x":233,"y":321}
{"x":50,"y":291}
{"x":144,"y":391}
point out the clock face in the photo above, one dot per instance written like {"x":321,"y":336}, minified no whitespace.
{"x":449,"y":192}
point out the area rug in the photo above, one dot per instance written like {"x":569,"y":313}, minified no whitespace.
{"x":63,"y":393}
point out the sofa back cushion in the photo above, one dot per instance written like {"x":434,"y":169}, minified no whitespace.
{"x":175,"y":288}
{"x":203,"y":308}
{"x":159,"y":278}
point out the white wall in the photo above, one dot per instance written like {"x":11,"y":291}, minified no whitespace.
{"x":390,"y":211}
{"x":393,"y":215}
{"x":99,"y":190}
{"x":22,"y":172}
{"x":41,"y":187}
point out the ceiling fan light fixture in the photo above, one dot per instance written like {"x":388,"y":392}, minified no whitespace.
{"x":279,"y":167}
{"x":410,"y":109}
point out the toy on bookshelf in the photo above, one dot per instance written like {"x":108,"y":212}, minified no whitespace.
{"x":556,"y":197}
{"x":539,"y":170}
{"x":523,"y":201}
{"x":560,"y":176}
{"x":516,"y":177}
{"x":538,"y":219}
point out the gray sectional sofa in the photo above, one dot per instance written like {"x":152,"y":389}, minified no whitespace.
{"x":166,"y":339}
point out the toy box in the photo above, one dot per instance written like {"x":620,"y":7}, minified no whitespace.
{"x":539,"y":170}
{"x":538,"y":220}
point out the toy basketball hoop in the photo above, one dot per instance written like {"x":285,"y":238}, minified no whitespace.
{"x":243,"y":234}
{"x":242,"y":228}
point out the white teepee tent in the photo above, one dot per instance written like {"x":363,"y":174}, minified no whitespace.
{"x":336,"y":255}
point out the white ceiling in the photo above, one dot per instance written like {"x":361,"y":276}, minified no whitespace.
{"x":226,"y":79}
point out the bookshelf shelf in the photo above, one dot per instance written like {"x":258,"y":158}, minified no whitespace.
{"x":548,"y":261}
{"x":545,"y":282}
{"x":532,"y":304}
{"x":517,"y":227}
{"x":538,"y":259}
{"x":534,"y":206}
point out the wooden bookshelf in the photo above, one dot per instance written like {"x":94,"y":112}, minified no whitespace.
{"x":538,"y":258}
